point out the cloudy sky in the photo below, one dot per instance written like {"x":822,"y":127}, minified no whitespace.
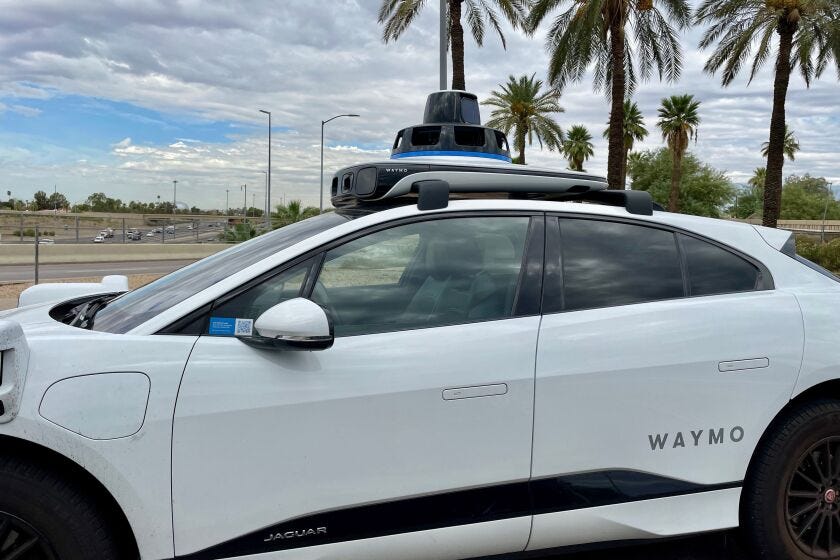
{"x":123,"y":96}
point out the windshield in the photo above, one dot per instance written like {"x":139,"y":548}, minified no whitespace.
{"x":136,"y":307}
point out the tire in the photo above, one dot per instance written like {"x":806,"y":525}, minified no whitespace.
{"x":50,"y":515}
{"x":791,"y":500}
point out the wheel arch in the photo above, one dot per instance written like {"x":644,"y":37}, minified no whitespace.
{"x":829,"y":389}
{"x":44,"y":456}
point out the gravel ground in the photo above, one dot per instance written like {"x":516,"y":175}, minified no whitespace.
{"x":10,"y":292}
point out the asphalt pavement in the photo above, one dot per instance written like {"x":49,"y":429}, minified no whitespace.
{"x":712,"y":546}
{"x":25,"y":273}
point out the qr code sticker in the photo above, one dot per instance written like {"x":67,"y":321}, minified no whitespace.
{"x":244,"y":327}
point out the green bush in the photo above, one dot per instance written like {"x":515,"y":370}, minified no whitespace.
{"x":30,"y":232}
{"x":827,"y":255}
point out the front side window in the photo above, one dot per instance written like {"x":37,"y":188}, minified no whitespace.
{"x":256,"y":300}
{"x":714,"y":270}
{"x":423,"y":274}
{"x":606,"y":264}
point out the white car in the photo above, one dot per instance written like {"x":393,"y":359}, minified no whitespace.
{"x":453,"y":364}
{"x":99,"y":239}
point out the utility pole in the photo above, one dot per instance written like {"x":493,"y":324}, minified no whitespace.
{"x":55,"y":199}
{"x":227,"y":202}
{"x":444,"y":42}
{"x":268,"y":188}
{"x":245,"y":203}
{"x":825,"y":211}
{"x":174,"y":195}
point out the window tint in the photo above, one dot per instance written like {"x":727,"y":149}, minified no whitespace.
{"x":253,"y":302}
{"x":713,"y":270}
{"x":423,"y":274}
{"x":609,"y":263}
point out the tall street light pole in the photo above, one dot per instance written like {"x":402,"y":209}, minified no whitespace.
{"x":828,"y":198}
{"x":322,"y":153}
{"x":444,"y":42}
{"x":245,"y":203}
{"x":268,"y":188}
{"x":227,"y":202}
{"x":174,"y":195}
{"x":268,"y":210}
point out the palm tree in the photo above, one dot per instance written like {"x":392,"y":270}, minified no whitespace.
{"x":292,"y":212}
{"x":758,"y":179}
{"x":790,"y":145}
{"x":578,"y":147}
{"x":523,"y":109}
{"x":809,"y":37}
{"x":595,"y":33}
{"x":634,"y":129}
{"x":678,"y":121}
{"x":398,"y":15}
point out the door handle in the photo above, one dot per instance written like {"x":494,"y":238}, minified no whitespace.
{"x":456,"y":393}
{"x":741,"y":365}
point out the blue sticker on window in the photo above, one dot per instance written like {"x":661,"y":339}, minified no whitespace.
{"x":222,"y":326}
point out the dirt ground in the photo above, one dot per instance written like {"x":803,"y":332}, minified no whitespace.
{"x":9,"y":292}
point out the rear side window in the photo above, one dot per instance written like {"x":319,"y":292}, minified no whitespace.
{"x":714,"y":270}
{"x":606,"y":264}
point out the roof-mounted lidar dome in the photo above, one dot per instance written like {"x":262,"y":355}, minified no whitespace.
{"x":451,"y":128}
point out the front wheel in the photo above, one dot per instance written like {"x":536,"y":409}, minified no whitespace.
{"x":44,"y":517}
{"x":791,"y":502}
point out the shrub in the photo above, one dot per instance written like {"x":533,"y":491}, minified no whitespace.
{"x":827,"y":255}
{"x":30,"y":232}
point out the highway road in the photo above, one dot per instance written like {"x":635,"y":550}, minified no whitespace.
{"x":26,"y":273}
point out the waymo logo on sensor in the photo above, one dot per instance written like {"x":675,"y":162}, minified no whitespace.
{"x":695,"y":438}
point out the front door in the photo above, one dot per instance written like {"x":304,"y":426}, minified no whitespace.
{"x":409,"y":438}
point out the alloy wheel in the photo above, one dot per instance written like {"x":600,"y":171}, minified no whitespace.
{"x":21,"y":541}
{"x":812,"y":500}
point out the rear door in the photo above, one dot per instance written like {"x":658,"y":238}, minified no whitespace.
{"x":662,"y":358}
{"x":409,"y":438}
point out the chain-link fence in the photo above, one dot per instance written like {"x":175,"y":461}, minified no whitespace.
{"x":22,"y":229}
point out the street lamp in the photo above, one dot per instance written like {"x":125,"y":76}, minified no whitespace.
{"x":227,"y":202}
{"x":268,"y":208}
{"x":174,"y":195}
{"x":245,"y":203}
{"x":322,"y":152}
{"x":268,"y":180}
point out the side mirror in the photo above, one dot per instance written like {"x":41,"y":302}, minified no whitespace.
{"x":295,"y":324}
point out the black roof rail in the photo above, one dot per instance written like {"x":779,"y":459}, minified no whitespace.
{"x":433,"y":194}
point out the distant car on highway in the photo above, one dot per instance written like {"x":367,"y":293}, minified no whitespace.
{"x":46,"y":241}
{"x":99,"y":239}
{"x":150,"y":234}
{"x":134,"y":236}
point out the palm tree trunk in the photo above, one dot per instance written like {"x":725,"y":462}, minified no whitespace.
{"x":624,"y":166}
{"x":676,"y":179}
{"x":456,"y":36}
{"x":520,"y":143}
{"x":616,"y":141}
{"x":775,"y":151}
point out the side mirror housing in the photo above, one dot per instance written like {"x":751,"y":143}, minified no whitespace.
{"x":295,"y":324}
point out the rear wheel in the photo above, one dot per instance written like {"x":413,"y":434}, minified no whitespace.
{"x":792,"y":498}
{"x":44,"y":517}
